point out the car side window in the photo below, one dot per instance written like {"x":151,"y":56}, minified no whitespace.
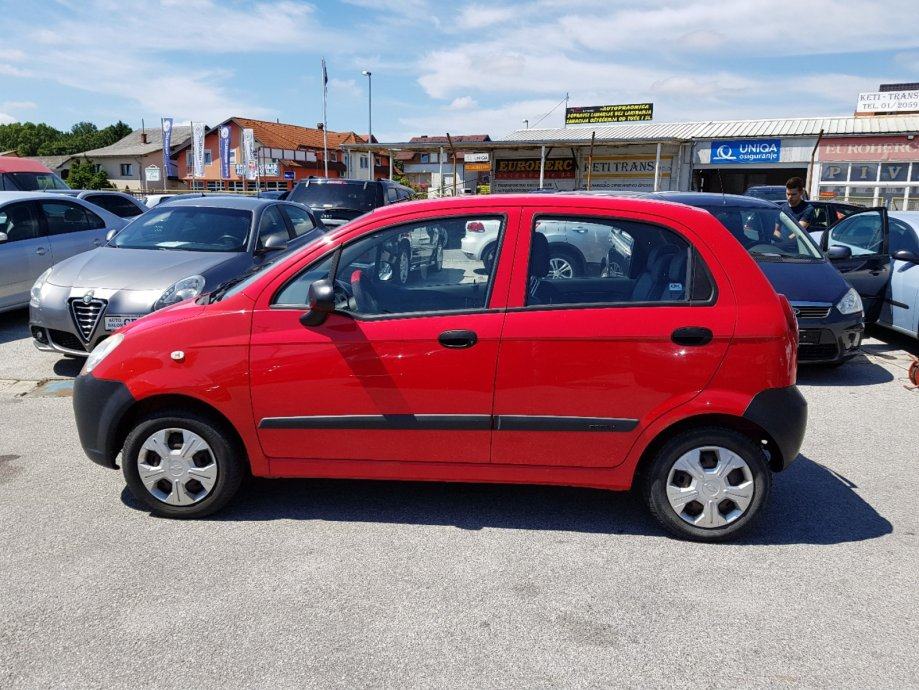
{"x":392,"y":196}
{"x":64,"y":217}
{"x":861,"y":233}
{"x":121,"y":207}
{"x":902,"y":237}
{"x":19,"y":222}
{"x":820,"y":219}
{"x":634,"y":262}
{"x":271,"y":225}
{"x":402,"y":270}
{"x":300,"y":219}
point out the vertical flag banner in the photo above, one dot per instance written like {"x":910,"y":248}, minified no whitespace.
{"x":249,"y":154}
{"x":325,"y":123}
{"x":197,"y":145}
{"x":169,"y":169}
{"x":225,"y":152}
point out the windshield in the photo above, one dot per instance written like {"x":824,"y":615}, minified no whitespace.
{"x":188,"y":228}
{"x":237,"y":285}
{"x":356,"y":196}
{"x":32,"y":181}
{"x":767,"y":193}
{"x":767,"y":233}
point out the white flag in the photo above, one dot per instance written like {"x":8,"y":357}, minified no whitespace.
{"x":197,"y":147}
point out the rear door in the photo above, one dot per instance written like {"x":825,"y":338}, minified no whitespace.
{"x":71,"y":227}
{"x":865,"y":234}
{"x":25,"y":254}
{"x":587,"y":363}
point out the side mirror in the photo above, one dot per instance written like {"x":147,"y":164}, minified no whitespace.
{"x":902,"y":255}
{"x":838,"y":253}
{"x":322,"y":302}
{"x":4,"y":237}
{"x":274,"y":243}
{"x":110,"y":234}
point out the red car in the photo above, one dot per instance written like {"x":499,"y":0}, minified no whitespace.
{"x":676,"y":375}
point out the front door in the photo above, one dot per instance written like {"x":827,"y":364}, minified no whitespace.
{"x":901,"y":300}
{"x":24,"y":255}
{"x":399,"y":372}
{"x":867,"y":268}
{"x":586,"y":363}
{"x":72,"y":228}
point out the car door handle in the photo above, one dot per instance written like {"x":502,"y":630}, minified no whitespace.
{"x":40,"y":251}
{"x":458,"y":339}
{"x":692,"y":335}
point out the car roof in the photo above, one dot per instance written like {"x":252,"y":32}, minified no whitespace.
{"x":341,"y":180}
{"x":766,"y":186}
{"x":707,"y":199}
{"x":15,"y":164}
{"x":247,"y":203}
{"x":911,"y":217}
{"x":13,"y":196}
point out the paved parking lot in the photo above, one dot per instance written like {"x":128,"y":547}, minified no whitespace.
{"x":352,"y":583}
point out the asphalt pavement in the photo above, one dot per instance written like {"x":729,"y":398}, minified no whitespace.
{"x":371,"y":584}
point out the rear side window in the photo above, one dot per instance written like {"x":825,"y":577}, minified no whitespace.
{"x":19,"y":222}
{"x":118,"y":205}
{"x":64,"y":217}
{"x":584,"y":261}
{"x":300,"y":219}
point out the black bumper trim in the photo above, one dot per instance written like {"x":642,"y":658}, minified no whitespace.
{"x":99,"y":406}
{"x":781,"y":413}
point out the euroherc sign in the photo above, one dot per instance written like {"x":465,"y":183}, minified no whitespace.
{"x":746,"y":151}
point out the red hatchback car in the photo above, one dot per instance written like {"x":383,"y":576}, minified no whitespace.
{"x":674,"y":375}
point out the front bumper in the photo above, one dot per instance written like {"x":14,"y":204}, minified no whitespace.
{"x":828,"y":340}
{"x":781,"y":413}
{"x":99,"y":406}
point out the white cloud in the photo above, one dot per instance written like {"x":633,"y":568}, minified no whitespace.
{"x":462,"y":103}
{"x":346,"y":87}
{"x":479,"y":16}
{"x":18,"y":105}
{"x":6,"y":119}
{"x":12,"y":71}
{"x":493,"y":121}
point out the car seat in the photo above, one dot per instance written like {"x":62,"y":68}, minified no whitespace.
{"x":650,"y":283}
{"x":539,"y":290}
{"x":675,"y":290}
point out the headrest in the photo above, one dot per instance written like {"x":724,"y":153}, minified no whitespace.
{"x":539,"y":256}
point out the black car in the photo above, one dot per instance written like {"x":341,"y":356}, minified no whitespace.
{"x":828,"y":213}
{"x":279,"y":194}
{"x":336,"y":201}
{"x":769,"y":192}
{"x":830,"y":312}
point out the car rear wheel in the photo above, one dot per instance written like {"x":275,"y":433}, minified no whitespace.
{"x":562,"y":265}
{"x":403,"y":267}
{"x":708,"y":484}
{"x":437,"y":261}
{"x":181,"y":465}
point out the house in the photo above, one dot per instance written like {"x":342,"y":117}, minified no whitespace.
{"x":286,"y":153}
{"x":430,"y":163}
{"x":126,"y":159}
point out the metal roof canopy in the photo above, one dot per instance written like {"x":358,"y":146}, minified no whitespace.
{"x":676,"y":132}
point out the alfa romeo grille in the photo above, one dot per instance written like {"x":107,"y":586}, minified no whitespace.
{"x":820,"y":312}
{"x":86,"y":316}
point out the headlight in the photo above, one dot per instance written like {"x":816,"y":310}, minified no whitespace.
{"x":35,"y":294}
{"x":183,"y":289}
{"x":850,"y":303}
{"x":101,"y":351}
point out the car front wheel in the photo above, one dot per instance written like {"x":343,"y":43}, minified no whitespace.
{"x":181,"y":465}
{"x":708,"y":484}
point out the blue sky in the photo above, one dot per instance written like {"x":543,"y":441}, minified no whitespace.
{"x":458,"y":67}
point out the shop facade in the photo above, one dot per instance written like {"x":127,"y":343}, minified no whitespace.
{"x":871,"y":171}
{"x":732,"y":165}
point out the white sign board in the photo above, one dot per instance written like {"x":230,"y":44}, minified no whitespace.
{"x":887,"y":102}
{"x":475,"y":157}
{"x":152,"y":173}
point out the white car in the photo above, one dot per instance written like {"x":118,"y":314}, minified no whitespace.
{"x":576,"y":248}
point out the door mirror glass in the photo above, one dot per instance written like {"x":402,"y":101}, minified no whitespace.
{"x":902,"y":255}
{"x":838,"y":253}
{"x":321,"y":297}
{"x":3,"y":237}
{"x":110,"y":234}
{"x":274,"y":243}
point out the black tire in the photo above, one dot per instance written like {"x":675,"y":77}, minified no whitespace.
{"x":227,"y":455}
{"x":398,"y":277}
{"x":655,"y":475}
{"x":437,"y":260}
{"x":488,"y":257}
{"x":568,"y":257}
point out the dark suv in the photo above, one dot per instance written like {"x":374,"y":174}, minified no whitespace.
{"x":336,"y":201}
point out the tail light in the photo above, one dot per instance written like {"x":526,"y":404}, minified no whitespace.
{"x":792,"y":323}
{"x":790,"y":318}
{"x":475,"y":226}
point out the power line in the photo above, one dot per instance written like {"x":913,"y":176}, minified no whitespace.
{"x":551,"y":111}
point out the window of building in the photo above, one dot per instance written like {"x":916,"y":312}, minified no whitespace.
{"x":895,"y":185}
{"x":333,"y":156}
{"x":363,"y":162}
{"x":232,"y":156}
{"x":425,"y":158}
{"x":207,"y":157}
{"x":126,"y":170}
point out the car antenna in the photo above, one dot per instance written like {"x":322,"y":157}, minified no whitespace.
{"x":724,"y":200}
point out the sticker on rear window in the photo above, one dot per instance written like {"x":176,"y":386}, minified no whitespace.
{"x":676,"y":287}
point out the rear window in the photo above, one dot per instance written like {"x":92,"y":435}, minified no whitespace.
{"x":118,"y":205}
{"x":354,"y":196}
{"x":32,"y":181}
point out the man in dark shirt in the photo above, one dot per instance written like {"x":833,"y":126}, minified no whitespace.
{"x":796,"y":205}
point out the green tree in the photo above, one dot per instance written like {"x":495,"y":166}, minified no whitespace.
{"x":31,"y":139}
{"x":83,"y":175}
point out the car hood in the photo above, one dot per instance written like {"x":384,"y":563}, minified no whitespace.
{"x":805,"y":282}
{"x":133,"y":269}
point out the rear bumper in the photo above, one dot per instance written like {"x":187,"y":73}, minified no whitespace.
{"x":99,"y":406}
{"x":781,"y":413}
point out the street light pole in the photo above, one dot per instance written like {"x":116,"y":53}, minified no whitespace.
{"x":369,"y":74}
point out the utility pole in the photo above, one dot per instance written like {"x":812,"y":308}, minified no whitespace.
{"x":369,"y":74}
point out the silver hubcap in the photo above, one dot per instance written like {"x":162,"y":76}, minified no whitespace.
{"x":560,"y":268}
{"x":177,"y":466}
{"x":710,"y":487}
{"x":439,"y":257}
{"x":403,"y":267}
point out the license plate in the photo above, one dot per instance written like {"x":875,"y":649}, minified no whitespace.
{"x":114,"y":322}
{"x":809,"y":338}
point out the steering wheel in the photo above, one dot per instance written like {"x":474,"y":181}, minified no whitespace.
{"x":365,"y":296}
{"x":228,"y":240}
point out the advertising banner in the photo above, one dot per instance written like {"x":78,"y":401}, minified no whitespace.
{"x":598,"y":114}
{"x":249,"y":159}
{"x":737,"y":152}
{"x":225,"y":152}
{"x":528,"y":168}
{"x":869,"y":149}
{"x":472,"y":157}
{"x":887,"y":102}
{"x":168,"y":166}
{"x":477,"y":167}
{"x":152,"y":173}
{"x":197,"y":148}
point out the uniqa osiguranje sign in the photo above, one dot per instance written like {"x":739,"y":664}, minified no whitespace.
{"x":746,"y":151}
